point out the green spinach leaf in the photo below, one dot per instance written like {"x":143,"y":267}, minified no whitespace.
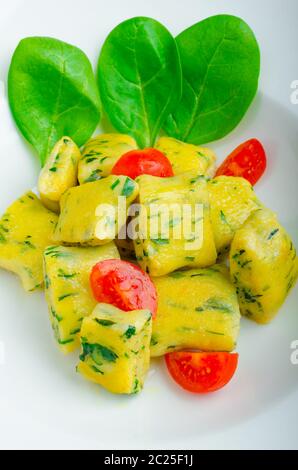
{"x":139,"y":76}
{"x":52,"y":92}
{"x":220,"y":61}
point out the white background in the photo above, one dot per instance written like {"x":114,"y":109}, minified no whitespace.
{"x":86,"y":23}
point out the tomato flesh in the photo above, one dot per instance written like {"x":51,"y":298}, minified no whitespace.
{"x":200,"y":372}
{"x":143,"y":162}
{"x":248,"y":161}
{"x":123,"y":285}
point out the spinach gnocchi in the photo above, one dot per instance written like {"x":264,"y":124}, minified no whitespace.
{"x":166,"y":291}
{"x":116,"y":348}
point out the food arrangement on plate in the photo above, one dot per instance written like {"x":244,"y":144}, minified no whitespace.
{"x":100,"y":235}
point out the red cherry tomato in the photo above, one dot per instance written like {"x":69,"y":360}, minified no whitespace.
{"x":200,"y":372}
{"x":248,"y":160}
{"x":143,"y":162}
{"x":124,"y":285}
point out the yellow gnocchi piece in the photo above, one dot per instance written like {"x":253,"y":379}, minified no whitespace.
{"x":26,"y":229}
{"x":264,"y":266}
{"x":116,"y":348}
{"x":68,"y":291}
{"x":197,"y":309}
{"x":232,"y":200}
{"x":59,"y":173}
{"x":172,"y":246}
{"x":100,"y":155}
{"x":187,"y":157}
{"x":89,"y":213}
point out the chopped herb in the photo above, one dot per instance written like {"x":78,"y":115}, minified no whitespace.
{"x":103,"y":159}
{"x":176,"y":275}
{"x":94,"y":176}
{"x":37,"y":286}
{"x":196,"y":179}
{"x":215,"y":304}
{"x":131,"y":331}
{"x":189,"y":258}
{"x":241,"y":252}
{"x":214,"y":333}
{"x":224,"y":219}
{"x":66,"y":341}
{"x":104,"y":322}
{"x":274,"y":232}
{"x":245,"y":263}
{"x":247,"y":296}
{"x":54,"y":252}
{"x":136,"y":387}
{"x":90,"y":159}
{"x":98,"y":353}
{"x":47,"y":281}
{"x":241,"y":263}
{"x":92,"y":153}
{"x":98,"y":371}
{"x":75,"y":331}
{"x":202,"y":155}
{"x":290,"y":284}
{"x":160,"y":241}
{"x":29,"y":244}
{"x":115,"y":184}
{"x":53,"y":169}
{"x":128,"y":188}
{"x":65,"y":296}
{"x":55,"y":315}
{"x":64,"y":275}
{"x":154,"y":341}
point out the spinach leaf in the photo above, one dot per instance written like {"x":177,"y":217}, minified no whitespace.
{"x":220,"y":61}
{"x":139,"y":76}
{"x":52,"y":92}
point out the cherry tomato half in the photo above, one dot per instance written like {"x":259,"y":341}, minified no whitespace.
{"x":123,"y":285}
{"x":248,"y":160}
{"x":200,"y":372}
{"x":143,"y":162}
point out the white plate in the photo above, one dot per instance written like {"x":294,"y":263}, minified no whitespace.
{"x":43,"y":402}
